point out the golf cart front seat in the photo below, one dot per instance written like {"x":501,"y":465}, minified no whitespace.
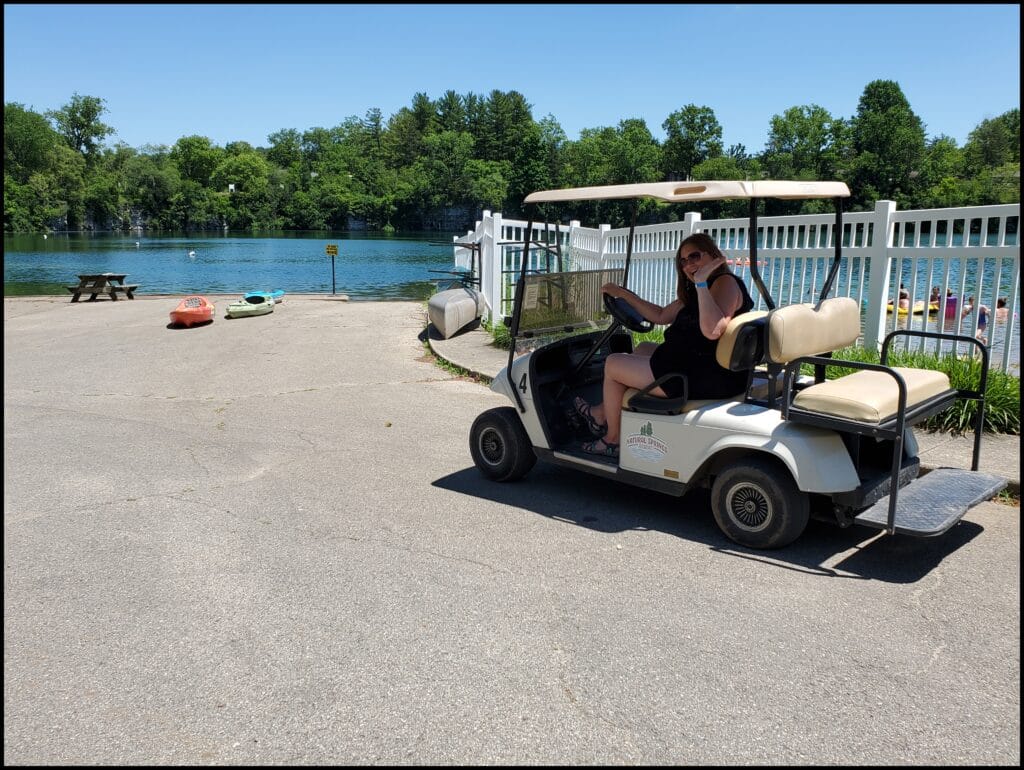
{"x":740,"y":347}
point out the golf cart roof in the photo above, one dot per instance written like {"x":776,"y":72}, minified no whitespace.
{"x":696,"y":191}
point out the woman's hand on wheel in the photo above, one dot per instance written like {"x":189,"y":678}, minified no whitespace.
{"x":613,"y":290}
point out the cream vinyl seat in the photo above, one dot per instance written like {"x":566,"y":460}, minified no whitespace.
{"x":871,"y":395}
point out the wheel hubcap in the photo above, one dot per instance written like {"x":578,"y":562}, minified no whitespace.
{"x":492,"y":448}
{"x":749,"y":507}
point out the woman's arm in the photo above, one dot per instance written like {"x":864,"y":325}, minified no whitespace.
{"x":718,"y":303}
{"x":656,"y":314}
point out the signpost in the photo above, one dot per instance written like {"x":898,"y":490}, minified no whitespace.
{"x":332,"y":252}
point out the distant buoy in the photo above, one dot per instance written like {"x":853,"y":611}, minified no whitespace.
{"x":44,"y":236}
{"x":192,"y":254}
{"x":136,"y":244}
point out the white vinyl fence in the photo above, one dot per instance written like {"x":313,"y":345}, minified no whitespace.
{"x":962,"y":252}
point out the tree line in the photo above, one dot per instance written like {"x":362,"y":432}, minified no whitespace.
{"x":436,"y":160}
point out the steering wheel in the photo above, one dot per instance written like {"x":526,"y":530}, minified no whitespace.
{"x":624,"y":313}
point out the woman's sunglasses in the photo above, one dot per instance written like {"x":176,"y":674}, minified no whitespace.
{"x":693,"y":256}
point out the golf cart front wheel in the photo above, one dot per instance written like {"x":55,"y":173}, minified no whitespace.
{"x":499,"y":445}
{"x":757,"y":504}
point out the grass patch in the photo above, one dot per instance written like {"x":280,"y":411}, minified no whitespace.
{"x":499,"y":333}
{"x":1009,"y":497}
{"x":456,"y":371}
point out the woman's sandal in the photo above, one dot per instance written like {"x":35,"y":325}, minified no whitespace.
{"x":597,"y":430}
{"x":610,"y":450}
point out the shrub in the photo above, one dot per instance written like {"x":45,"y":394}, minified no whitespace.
{"x":499,"y":332}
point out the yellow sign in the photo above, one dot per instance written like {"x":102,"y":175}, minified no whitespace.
{"x":332,"y":249}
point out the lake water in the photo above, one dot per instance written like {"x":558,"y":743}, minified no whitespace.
{"x":367,"y":267}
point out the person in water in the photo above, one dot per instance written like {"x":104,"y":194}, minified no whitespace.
{"x":708,"y":295}
{"x":983,"y":313}
{"x":1002,"y":312}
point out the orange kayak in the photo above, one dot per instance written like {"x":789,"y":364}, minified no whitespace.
{"x":192,"y":310}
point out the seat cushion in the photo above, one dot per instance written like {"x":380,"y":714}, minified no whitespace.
{"x":689,"y":406}
{"x":749,"y":356}
{"x":870,"y":396}
{"x":800,"y":330}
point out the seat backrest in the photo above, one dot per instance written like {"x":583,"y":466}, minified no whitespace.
{"x":801,"y":330}
{"x":741,"y":345}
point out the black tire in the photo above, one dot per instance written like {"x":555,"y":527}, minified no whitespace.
{"x":499,"y":445}
{"x":757,"y":504}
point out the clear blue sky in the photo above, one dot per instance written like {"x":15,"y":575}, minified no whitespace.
{"x":242,"y":72}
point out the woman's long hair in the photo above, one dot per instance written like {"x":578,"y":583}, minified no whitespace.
{"x":686,"y":290}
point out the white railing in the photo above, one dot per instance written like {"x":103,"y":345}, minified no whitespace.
{"x":964,"y":252}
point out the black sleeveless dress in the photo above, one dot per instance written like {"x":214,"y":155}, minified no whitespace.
{"x":687,"y":351}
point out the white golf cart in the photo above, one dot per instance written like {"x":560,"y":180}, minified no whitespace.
{"x":789,"y":446}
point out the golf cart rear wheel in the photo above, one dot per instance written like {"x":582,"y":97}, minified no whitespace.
{"x":499,"y":445}
{"x":757,"y":504}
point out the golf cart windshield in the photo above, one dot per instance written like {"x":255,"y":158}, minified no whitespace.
{"x":557,"y":302}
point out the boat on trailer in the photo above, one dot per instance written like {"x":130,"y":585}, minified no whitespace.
{"x":459,"y":305}
{"x":453,"y":310}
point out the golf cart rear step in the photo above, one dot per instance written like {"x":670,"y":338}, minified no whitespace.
{"x":934,"y":502}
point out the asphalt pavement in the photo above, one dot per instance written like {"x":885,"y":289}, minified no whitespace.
{"x":263,"y":541}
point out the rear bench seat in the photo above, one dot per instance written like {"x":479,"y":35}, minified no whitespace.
{"x":876,"y":396}
{"x":878,"y":401}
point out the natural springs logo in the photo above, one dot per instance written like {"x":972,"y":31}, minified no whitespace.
{"x":644,"y":446}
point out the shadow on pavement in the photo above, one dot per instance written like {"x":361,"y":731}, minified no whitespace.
{"x":606,"y":506}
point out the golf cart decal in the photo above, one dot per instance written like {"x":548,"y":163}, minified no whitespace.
{"x":644,"y":446}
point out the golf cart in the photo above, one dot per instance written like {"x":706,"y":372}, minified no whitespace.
{"x":790,"y":446}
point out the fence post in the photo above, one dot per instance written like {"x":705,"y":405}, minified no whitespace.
{"x":602,"y":246}
{"x":691,"y":223}
{"x":567,"y":259}
{"x":496,"y":284}
{"x":878,"y":272}
{"x":486,"y":261}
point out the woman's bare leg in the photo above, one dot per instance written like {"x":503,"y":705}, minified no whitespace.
{"x":621,"y":372}
{"x":643,"y":352}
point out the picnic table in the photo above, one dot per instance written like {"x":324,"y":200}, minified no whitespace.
{"x":95,"y":284}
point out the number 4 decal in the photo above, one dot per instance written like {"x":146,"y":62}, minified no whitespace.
{"x":522,"y":383}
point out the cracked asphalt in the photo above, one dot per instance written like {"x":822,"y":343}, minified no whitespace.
{"x":263,"y":541}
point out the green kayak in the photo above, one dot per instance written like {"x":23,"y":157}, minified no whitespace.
{"x":253,"y":304}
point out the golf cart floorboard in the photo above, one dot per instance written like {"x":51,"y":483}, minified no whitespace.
{"x":608,"y":467}
{"x":934,"y":502}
